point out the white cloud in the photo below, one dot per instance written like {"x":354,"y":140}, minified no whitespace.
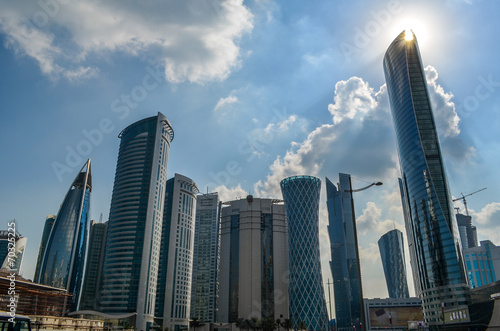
{"x":228,"y":194}
{"x":225,"y":101}
{"x":195,"y":41}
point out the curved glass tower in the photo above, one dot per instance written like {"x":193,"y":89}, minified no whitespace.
{"x":49,"y":223}
{"x":135,"y":221}
{"x":306,"y":293}
{"x":392,"y":253}
{"x":433,"y":239}
{"x":64,"y":257}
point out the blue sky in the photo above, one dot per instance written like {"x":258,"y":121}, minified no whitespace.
{"x":256,"y":91}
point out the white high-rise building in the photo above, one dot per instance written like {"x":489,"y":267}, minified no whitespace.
{"x":173,"y":298}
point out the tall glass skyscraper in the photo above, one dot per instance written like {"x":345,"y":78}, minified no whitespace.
{"x":49,"y":223}
{"x":205,"y":283}
{"x":173,"y":297}
{"x":392,"y":253}
{"x":253,"y":260}
{"x":433,"y":239}
{"x":64,"y":257}
{"x":344,"y":264}
{"x":93,"y":269}
{"x":131,"y":259}
{"x":306,"y":293}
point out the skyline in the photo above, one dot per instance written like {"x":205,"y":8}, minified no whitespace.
{"x":259,"y":91}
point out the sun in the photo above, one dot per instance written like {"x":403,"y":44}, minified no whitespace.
{"x":408,"y":35}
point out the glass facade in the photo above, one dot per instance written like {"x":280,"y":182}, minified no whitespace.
{"x":64,"y":257}
{"x":133,"y":240}
{"x":392,"y":253}
{"x":12,"y":262}
{"x":480,"y":263}
{"x":93,"y":268}
{"x":205,"y":285}
{"x":344,"y":264}
{"x":432,"y":233}
{"x":49,"y":222}
{"x":173,"y":298}
{"x":468,"y":234}
{"x":306,"y":293}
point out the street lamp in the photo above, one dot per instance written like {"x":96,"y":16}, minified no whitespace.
{"x":351,"y":191}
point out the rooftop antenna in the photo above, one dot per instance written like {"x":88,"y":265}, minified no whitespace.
{"x":100,"y":218}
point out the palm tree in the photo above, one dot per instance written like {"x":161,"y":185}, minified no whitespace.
{"x":194,"y":323}
{"x":241,"y":324}
{"x":268,"y":324}
{"x":302,"y":326}
{"x":278,"y":323}
{"x":287,"y":324}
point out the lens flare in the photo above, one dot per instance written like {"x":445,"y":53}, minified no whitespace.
{"x":408,"y":35}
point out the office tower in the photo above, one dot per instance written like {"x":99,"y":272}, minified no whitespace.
{"x":49,"y":222}
{"x":12,"y":241}
{"x":132,"y":252}
{"x":468,"y":233}
{"x":253,"y":260}
{"x":205,"y":282}
{"x":483,"y":264}
{"x":173,"y":298}
{"x":432,"y":234}
{"x":64,"y":257}
{"x":93,"y":269}
{"x":392,"y":253}
{"x":344,"y":265}
{"x":306,"y":294}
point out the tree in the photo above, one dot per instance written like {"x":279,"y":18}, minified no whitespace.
{"x":278,"y":323}
{"x":268,"y":324}
{"x":241,"y":324}
{"x":287,"y":324}
{"x":194,"y":323}
{"x":302,"y":326}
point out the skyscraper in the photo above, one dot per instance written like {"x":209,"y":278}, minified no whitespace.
{"x":93,"y":268}
{"x":468,"y":233}
{"x":205,"y":282}
{"x":13,"y":261}
{"x":433,"y":239}
{"x":306,"y":293}
{"x":393,"y":260}
{"x":133,"y":241}
{"x":49,"y":223}
{"x":173,"y":298}
{"x":64,"y":257}
{"x":253,"y":260}
{"x":344,"y":264}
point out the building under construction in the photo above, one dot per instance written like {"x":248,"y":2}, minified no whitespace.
{"x":32,"y":298}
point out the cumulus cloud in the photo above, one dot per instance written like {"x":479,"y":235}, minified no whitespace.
{"x":195,"y":41}
{"x":228,"y":194}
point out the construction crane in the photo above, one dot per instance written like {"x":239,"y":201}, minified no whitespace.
{"x":465,"y":202}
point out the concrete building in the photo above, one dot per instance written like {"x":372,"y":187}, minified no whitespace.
{"x":253,"y":260}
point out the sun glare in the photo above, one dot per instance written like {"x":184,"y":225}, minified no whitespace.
{"x":408,"y":35}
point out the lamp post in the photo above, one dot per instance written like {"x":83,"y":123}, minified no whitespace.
{"x":351,"y":191}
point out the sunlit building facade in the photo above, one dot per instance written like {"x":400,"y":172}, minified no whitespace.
{"x":253,"y":260}
{"x":344,"y":263}
{"x":306,"y":293}
{"x":468,"y":232}
{"x":12,"y":246}
{"x":173,"y":297}
{"x":131,"y":258}
{"x":63,"y":261}
{"x":433,"y":239}
{"x":392,"y":254}
{"x":205,"y":282}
